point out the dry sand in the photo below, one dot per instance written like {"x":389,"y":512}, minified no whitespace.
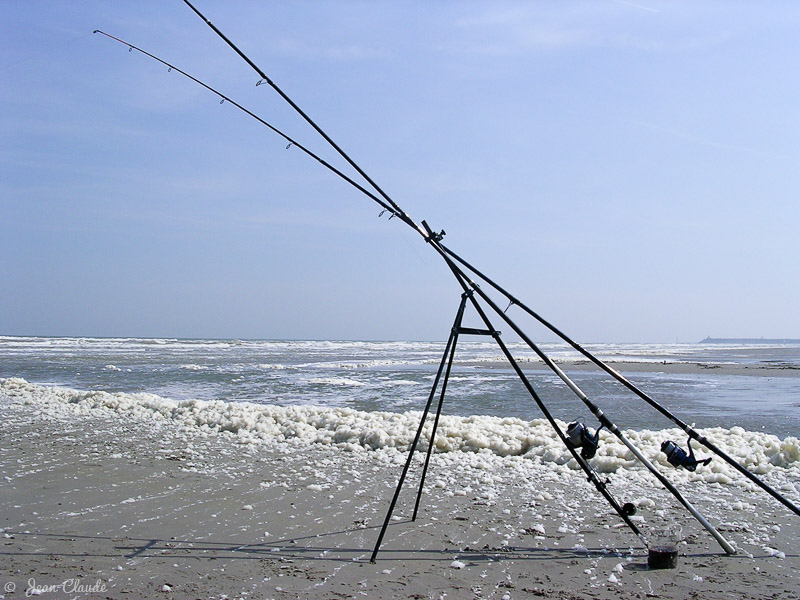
{"x":100,"y":508}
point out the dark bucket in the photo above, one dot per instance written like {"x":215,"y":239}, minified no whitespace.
{"x":662,"y":558}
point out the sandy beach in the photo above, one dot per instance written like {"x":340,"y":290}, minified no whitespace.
{"x":99,"y":506}
{"x":541,"y":257}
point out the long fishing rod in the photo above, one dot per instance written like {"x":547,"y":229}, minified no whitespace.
{"x":430,"y":236}
{"x":688,"y":429}
{"x":292,"y":142}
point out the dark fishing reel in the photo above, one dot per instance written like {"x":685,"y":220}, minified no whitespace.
{"x":580,"y":436}
{"x":677,"y":456}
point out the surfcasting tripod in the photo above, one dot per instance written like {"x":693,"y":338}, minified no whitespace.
{"x":445,"y":366}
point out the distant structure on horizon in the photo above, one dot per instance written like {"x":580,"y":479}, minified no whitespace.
{"x":710,"y":340}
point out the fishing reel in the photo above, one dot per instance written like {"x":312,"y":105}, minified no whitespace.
{"x":677,"y":456}
{"x":580,"y":436}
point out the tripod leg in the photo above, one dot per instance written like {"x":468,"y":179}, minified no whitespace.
{"x":436,"y":421}
{"x":447,"y":352}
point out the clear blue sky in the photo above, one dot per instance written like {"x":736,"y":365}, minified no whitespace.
{"x":629,"y":169}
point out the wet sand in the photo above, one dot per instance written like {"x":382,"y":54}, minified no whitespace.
{"x":675,"y":368}
{"x":127,"y":509}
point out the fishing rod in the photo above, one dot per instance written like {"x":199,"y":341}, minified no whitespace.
{"x":688,"y":429}
{"x":429,"y":236}
{"x":292,"y":142}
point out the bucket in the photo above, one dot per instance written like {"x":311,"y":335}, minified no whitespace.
{"x":660,"y":557}
{"x":663,"y":550}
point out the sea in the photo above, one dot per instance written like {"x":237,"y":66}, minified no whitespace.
{"x":396,"y":377}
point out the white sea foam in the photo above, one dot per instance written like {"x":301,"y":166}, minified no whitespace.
{"x":360,"y":430}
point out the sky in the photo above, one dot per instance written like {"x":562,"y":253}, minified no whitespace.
{"x":629,"y":170}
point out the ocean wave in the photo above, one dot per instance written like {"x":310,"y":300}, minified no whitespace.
{"x":399,"y":382}
{"x":336,"y":381}
{"x":360,"y":431}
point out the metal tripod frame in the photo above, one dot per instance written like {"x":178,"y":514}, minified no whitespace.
{"x":445,"y":367}
{"x":625,"y":511}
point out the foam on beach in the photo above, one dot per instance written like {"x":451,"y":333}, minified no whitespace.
{"x":360,"y":431}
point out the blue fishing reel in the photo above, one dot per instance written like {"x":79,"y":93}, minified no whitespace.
{"x":677,"y":456}
{"x":580,"y":436}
